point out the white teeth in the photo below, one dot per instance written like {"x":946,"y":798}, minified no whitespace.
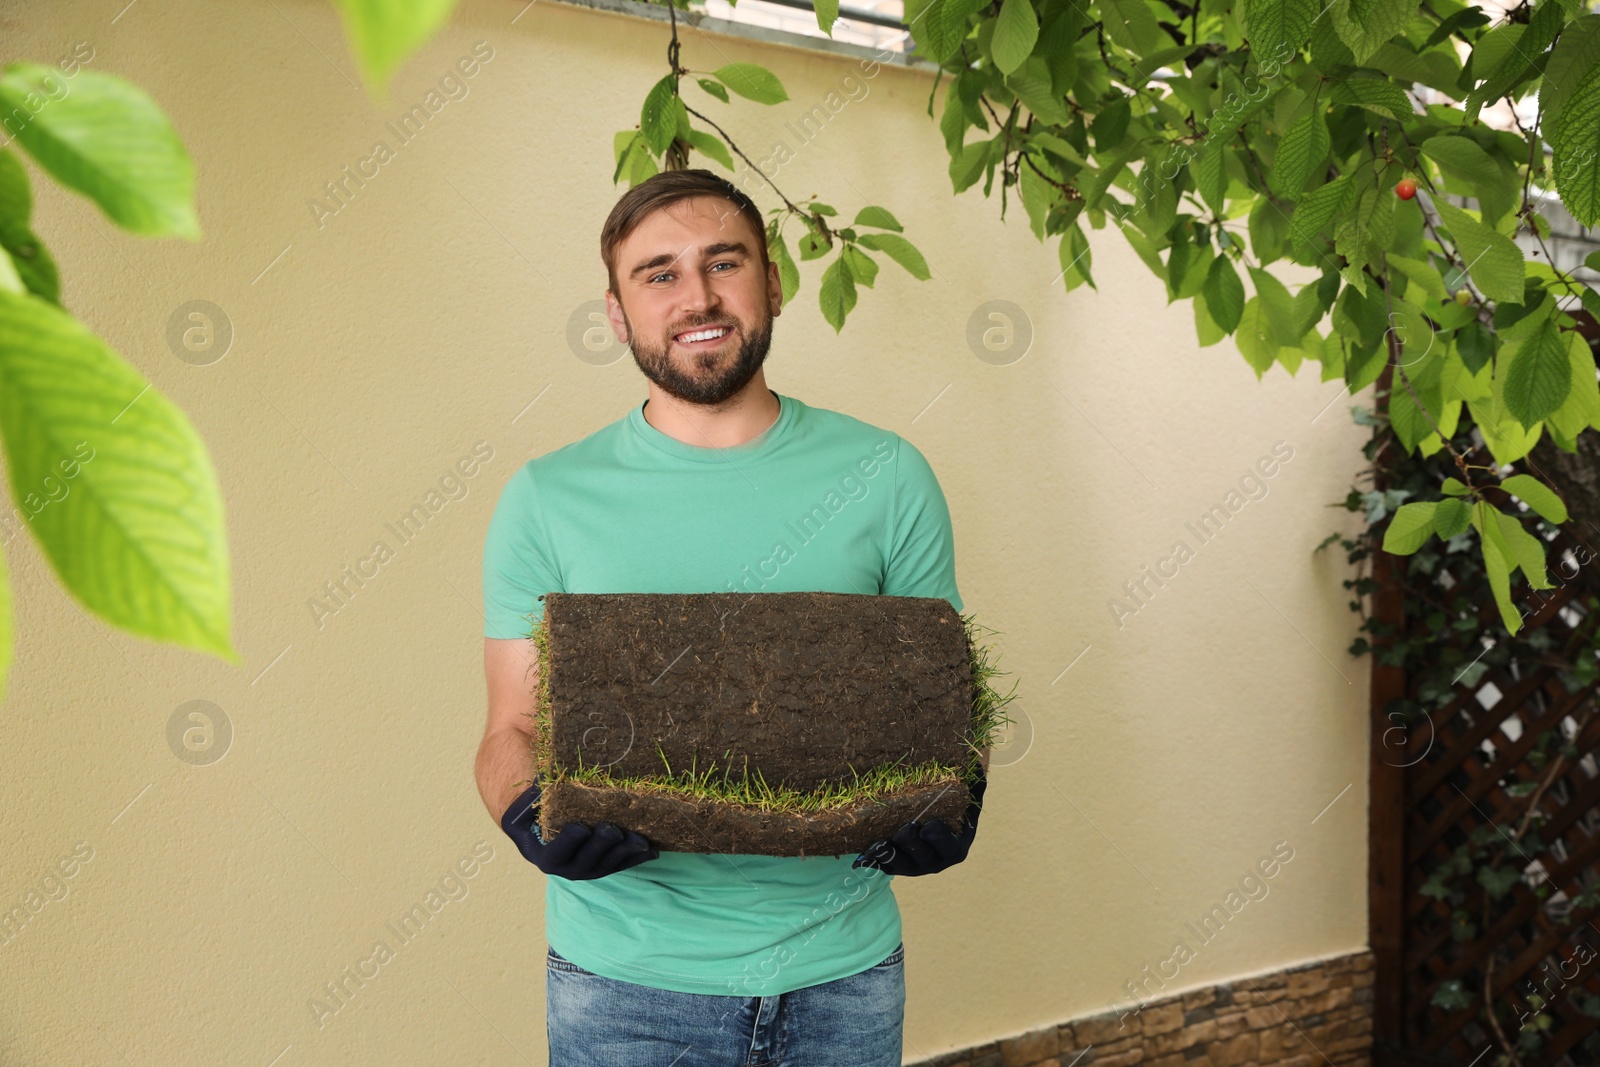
{"x":703,"y":335}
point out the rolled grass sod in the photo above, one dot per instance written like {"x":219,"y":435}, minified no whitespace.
{"x":780,"y":724}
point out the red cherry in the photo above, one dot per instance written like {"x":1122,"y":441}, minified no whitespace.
{"x":1405,"y":188}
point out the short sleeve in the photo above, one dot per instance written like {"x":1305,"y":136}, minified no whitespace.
{"x":517,"y":561}
{"x":922,"y":550}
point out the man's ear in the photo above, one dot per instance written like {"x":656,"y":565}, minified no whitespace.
{"x":774,"y":289}
{"x":619,"y":325}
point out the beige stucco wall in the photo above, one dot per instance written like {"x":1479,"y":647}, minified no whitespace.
{"x":371,"y":353}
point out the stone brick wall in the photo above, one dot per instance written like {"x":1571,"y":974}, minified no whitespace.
{"x":1314,"y":1014}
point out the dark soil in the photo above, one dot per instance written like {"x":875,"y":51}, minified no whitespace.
{"x":801,"y":687}
{"x":686,"y":824}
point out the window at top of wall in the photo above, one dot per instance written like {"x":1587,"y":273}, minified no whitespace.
{"x":874,"y":24}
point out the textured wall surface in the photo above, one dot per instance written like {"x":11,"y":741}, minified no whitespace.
{"x":384,"y":344}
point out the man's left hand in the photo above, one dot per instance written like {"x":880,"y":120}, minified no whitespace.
{"x":927,"y":847}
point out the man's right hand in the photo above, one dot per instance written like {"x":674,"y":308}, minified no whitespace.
{"x":576,"y":852}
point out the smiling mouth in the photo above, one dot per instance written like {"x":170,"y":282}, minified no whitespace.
{"x":704,"y":337}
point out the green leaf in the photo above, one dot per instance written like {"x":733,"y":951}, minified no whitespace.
{"x":1377,"y":95}
{"x":1493,"y":259}
{"x":788,"y":273}
{"x":1496,"y":564}
{"x":139,"y":538}
{"x":813,"y":245}
{"x":384,"y":33}
{"x":1364,"y":25}
{"x":1032,"y":83}
{"x":1410,"y":528}
{"x":1524,"y":549}
{"x":1254,"y":338}
{"x":827,"y":14}
{"x":1451,"y":517}
{"x":1277,"y":307}
{"x":1538,"y":496}
{"x":944,"y":24}
{"x":1076,"y":257}
{"x":752,"y":81}
{"x":863,"y":268}
{"x":1519,"y":61}
{"x":1539,"y":376}
{"x":1318,"y":208}
{"x":1301,"y":153}
{"x":1211,"y":175}
{"x":1224,"y":294}
{"x":1576,"y":143}
{"x":109,"y":141}
{"x":1576,"y":52}
{"x":1133,"y":25}
{"x":968,"y":166}
{"x":1015,"y":31}
{"x":711,"y":146}
{"x":1277,"y":28}
{"x":879,"y":217}
{"x":31,"y":260}
{"x":658,"y":118}
{"x":898,"y":249}
{"x":838,"y":293}
{"x":716,"y":89}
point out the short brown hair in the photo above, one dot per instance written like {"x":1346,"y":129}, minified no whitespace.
{"x":669,"y":187}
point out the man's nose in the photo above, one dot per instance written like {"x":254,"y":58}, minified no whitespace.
{"x":699,"y":295}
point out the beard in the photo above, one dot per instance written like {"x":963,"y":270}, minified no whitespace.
{"x":708,"y":377}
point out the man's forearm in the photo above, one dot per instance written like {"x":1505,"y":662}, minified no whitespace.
{"x":504,"y":768}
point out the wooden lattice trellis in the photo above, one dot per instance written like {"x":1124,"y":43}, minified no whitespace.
{"x":1434,"y":781}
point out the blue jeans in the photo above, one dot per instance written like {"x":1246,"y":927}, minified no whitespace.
{"x":855,"y":1021}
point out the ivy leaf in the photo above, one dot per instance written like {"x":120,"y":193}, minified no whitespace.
{"x":1494,"y":260}
{"x":1410,"y":528}
{"x":898,"y":249}
{"x":1539,"y":377}
{"x":1015,"y":31}
{"x":752,"y":81}
{"x":1538,"y":496}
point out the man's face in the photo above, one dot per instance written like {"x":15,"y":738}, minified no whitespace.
{"x":693,"y":269}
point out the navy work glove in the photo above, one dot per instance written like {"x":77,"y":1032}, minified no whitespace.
{"x":927,"y":847}
{"x":576,"y":852}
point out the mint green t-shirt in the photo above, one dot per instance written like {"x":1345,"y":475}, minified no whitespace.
{"x":819,"y":501}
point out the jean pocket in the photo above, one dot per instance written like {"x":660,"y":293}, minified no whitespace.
{"x":555,"y":961}
{"x":895,"y":959}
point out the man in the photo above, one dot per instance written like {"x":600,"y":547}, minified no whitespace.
{"x":715,"y":483}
